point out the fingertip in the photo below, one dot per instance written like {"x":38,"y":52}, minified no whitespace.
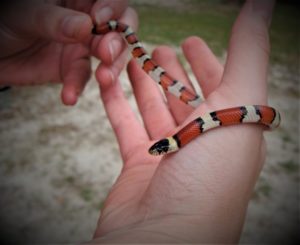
{"x":84,"y":32}
{"x":105,"y":10}
{"x":191,"y":41}
{"x":68,"y":97}
{"x":60,"y":24}
{"x":103,"y":14}
{"x":163,"y":52}
{"x":110,"y":48}
{"x":104,"y":76}
{"x":77,"y":27}
{"x":205,"y":65}
{"x":263,"y":9}
{"x":197,"y":50}
{"x":134,"y":71}
{"x":115,"y":48}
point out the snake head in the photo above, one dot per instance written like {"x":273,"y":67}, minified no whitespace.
{"x":163,"y":146}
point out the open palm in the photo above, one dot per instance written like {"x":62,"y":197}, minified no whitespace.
{"x":208,"y":183}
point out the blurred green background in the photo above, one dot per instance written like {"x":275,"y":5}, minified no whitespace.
{"x":212,"y":20}
{"x":58,"y":163}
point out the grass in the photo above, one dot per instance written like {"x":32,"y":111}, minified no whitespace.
{"x":99,"y":205}
{"x":289,"y":166}
{"x":87,"y":194}
{"x":212,"y":21}
{"x":262,"y":189}
{"x":286,"y":138}
{"x":284,"y":35}
{"x":171,"y":26}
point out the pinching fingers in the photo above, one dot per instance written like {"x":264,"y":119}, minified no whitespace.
{"x":109,"y":47}
{"x":110,"y":50}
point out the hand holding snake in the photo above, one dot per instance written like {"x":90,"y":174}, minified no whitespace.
{"x":210,"y":180}
{"x":50,"y":42}
{"x":258,"y":114}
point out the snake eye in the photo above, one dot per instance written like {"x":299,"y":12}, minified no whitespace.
{"x":160,"y":147}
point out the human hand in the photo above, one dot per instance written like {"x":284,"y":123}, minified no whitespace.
{"x":47,"y":42}
{"x":201,"y":193}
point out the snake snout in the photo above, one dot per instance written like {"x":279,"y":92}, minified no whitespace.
{"x":160,"y":147}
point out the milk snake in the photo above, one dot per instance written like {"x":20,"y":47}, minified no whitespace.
{"x":258,"y":114}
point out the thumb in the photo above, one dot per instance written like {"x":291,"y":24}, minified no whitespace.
{"x":49,"y":21}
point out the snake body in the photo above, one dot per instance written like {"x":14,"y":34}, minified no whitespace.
{"x":156,"y":72}
{"x":258,"y":114}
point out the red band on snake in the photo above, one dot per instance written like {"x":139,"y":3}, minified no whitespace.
{"x":258,"y":114}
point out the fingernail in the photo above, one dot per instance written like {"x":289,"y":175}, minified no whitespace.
{"x":103,"y":15}
{"x":263,"y":8}
{"x":114,"y":47}
{"x":71,"y":25}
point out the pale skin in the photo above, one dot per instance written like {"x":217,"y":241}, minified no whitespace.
{"x":48,"y":43}
{"x":201,"y":193}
